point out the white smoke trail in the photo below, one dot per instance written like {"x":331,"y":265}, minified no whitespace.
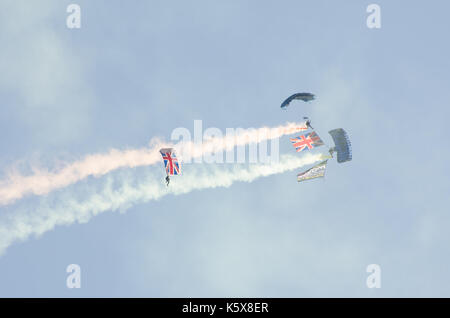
{"x":16,"y":185}
{"x":20,"y":224}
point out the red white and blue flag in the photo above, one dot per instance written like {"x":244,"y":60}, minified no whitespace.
{"x":170,"y":161}
{"x":306,"y":141}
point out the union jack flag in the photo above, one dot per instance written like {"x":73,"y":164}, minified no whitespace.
{"x":170,"y":161}
{"x":306,"y":141}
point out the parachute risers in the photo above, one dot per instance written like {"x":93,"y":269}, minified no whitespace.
{"x":342,"y":147}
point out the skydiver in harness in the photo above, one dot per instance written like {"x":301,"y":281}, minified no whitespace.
{"x":308,"y":123}
{"x":332,"y":151}
{"x":167,"y":181}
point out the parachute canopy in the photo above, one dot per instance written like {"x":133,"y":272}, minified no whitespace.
{"x":170,"y":161}
{"x":342,"y":145}
{"x":318,"y":171}
{"x":301,"y":96}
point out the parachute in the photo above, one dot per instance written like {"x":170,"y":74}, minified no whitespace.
{"x":170,"y":163}
{"x":342,"y":145}
{"x":301,"y":96}
{"x":318,"y":171}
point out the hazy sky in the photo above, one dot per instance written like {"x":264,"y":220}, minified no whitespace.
{"x":136,"y":71}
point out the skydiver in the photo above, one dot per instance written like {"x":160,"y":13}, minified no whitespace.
{"x":331,"y":151}
{"x":167,"y":180}
{"x":308,"y":123}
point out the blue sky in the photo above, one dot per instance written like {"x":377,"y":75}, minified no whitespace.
{"x":137,"y":71}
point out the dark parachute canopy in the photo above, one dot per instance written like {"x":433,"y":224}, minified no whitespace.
{"x":301,"y":96}
{"x":342,"y":145}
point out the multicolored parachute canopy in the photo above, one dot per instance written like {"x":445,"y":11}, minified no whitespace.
{"x":170,"y":161}
{"x":307,"y":141}
{"x":318,"y":171}
{"x":342,"y":145}
{"x":301,"y":96}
